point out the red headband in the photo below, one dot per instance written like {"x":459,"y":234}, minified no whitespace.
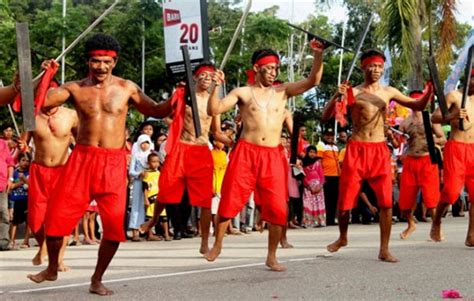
{"x":268,"y":60}
{"x":204,"y":69}
{"x":372,"y":59}
{"x":103,"y":52}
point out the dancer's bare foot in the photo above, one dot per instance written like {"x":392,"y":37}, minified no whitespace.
{"x":274,"y":265}
{"x":63,"y":268}
{"x":335,"y":246}
{"x":43,"y":276}
{"x":99,"y":289}
{"x":213,"y":253}
{"x":286,"y":245}
{"x":469,"y":240}
{"x":385,"y":256}
{"x":260,"y":225}
{"x":204,"y":249}
{"x":435,"y":233}
{"x":38,"y":259}
{"x":408,"y":231}
{"x":146,"y":227}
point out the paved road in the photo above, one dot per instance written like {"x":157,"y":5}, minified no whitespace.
{"x":174,"y":271}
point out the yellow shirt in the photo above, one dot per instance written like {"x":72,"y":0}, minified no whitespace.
{"x":151,"y":178}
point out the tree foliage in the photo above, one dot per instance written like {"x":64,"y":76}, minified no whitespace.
{"x":131,"y":20}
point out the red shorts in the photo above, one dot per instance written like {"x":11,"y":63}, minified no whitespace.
{"x":41,"y":183}
{"x":91,"y":173}
{"x":458,"y":168}
{"x":187,"y":167}
{"x":368,"y":161}
{"x":419,"y":173}
{"x":259,"y":169}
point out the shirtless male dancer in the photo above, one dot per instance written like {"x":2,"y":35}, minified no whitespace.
{"x":97,"y":167}
{"x":418,"y":171}
{"x":258,"y":162}
{"x":189,"y":165}
{"x":458,"y":161}
{"x":54,"y":132}
{"x":367,"y":156}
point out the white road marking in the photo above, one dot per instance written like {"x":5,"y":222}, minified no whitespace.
{"x":153,"y":276}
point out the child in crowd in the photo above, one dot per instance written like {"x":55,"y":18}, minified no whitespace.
{"x":146,"y":128}
{"x":313,"y":195}
{"x":219,"y":157}
{"x":137,"y":172}
{"x":8,"y":135}
{"x":19,"y":197}
{"x":150,"y":192}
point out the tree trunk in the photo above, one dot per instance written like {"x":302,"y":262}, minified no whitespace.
{"x":415,"y":80}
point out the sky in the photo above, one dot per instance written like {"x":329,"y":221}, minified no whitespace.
{"x":298,"y":10}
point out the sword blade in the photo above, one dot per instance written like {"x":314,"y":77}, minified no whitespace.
{"x":437,"y":86}
{"x":24,"y":63}
{"x":191,"y":93}
{"x":467,"y":76}
{"x":320,"y":38}
{"x":236,"y":35}
{"x":359,"y":47}
{"x":429,"y":136}
{"x":83,"y":34}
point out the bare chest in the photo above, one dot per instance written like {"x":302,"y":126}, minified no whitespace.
{"x":270,"y":105}
{"x":415,"y":130}
{"x":368,"y":105}
{"x":53,"y":126}
{"x":92,"y":101}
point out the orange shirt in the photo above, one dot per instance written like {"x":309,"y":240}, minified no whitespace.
{"x":330,"y":161}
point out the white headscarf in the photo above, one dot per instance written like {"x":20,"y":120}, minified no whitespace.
{"x":141,"y":155}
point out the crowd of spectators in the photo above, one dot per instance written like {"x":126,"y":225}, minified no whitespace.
{"x":313,"y":192}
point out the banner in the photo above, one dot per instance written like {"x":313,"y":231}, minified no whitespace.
{"x":185,"y":23}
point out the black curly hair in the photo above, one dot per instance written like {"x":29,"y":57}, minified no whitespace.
{"x":151,"y":155}
{"x":101,"y":41}
{"x":6,"y":126}
{"x":258,"y":54}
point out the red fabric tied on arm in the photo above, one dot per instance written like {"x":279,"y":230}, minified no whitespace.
{"x":340,"y":109}
{"x":45,"y":83}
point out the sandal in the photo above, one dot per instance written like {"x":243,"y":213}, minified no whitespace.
{"x":154,"y":238}
{"x":74,"y":243}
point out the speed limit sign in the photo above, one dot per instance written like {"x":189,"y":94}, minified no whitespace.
{"x":185,"y":23}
